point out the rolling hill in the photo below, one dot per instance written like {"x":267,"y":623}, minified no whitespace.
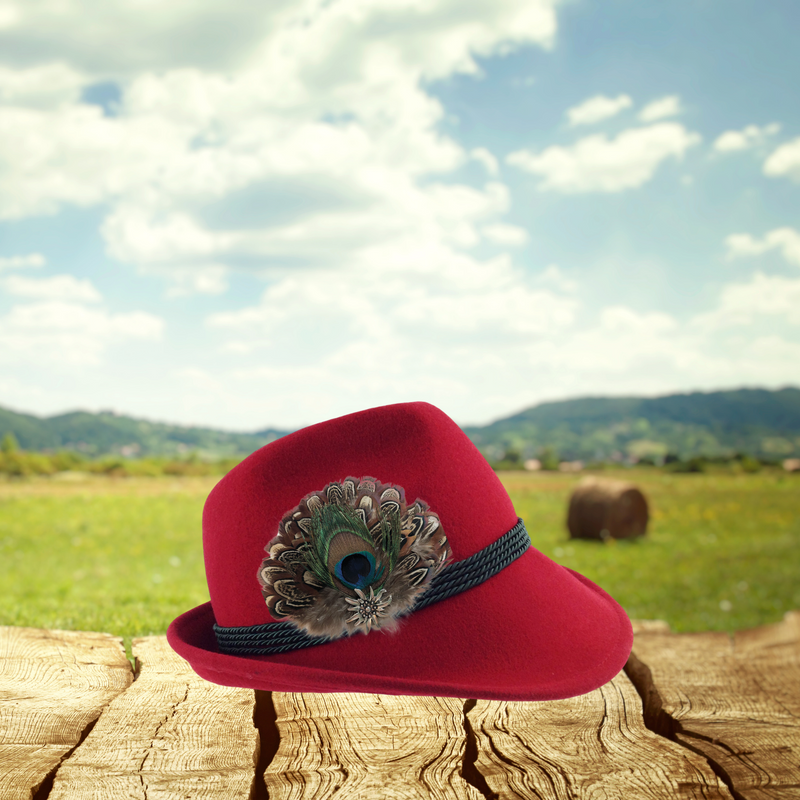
{"x":760,"y":422}
{"x":756,"y":421}
{"x":107,"y":432}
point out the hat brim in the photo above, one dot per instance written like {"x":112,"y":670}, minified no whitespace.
{"x":534,"y":631}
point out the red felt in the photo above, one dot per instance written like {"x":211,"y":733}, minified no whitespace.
{"x":534,"y":631}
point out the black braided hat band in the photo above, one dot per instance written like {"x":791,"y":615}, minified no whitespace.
{"x":281,"y":637}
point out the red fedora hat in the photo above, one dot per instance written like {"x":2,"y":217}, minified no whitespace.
{"x":379,"y":552}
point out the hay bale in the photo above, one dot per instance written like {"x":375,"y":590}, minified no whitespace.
{"x":601,"y":508}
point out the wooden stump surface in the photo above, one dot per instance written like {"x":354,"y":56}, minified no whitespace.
{"x":693,"y":716}
{"x":53,"y":686}
{"x":171,"y":735}
{"x":735,"y":700}
{"x":366,"y":746}
{"x":592,"y":746}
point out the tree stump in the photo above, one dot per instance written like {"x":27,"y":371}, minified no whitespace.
{"x":733,"y":700}
{"x":717,"y":720}
{"x":365,"y":746}
{"x":585,"y":748}
{"x":53,"y":687}
{"x":601,"y":508}
{"x":171,"y":735}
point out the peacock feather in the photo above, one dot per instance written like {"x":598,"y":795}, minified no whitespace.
{"x":351,"y":557}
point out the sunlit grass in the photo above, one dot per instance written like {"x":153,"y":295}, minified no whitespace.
{"x":722,"y":551}
{"x":125,"y":555}
{"x":116,"y":555}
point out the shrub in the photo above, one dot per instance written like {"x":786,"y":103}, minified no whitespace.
{"x":549,"y":458}
{"x":9,"y":444}
{"x":694,"y":464}
{"x":14,"y":464}
{"x":749,"y":464}
{"x":66,"y":460}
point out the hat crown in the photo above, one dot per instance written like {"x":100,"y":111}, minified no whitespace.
{"x":412,"y":445}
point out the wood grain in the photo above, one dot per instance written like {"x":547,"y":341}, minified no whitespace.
{"x":592,"y":746}
{"x":734,"y":699}
{"x":53,"y":686}
{"x":171,"y":735}
{"x":368,"y":746}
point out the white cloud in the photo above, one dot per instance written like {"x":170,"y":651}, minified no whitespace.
{"x":34,"y":260}
{"x":511,"y":235}
{"x":619,"y":319}
{"x":744,"y":139}
{"x":405,"y":324}
{"x":785,"y":161}
{"x":60,"y":333}
{"x":766,"y":357}
{"x":511,"y":309}
{"x":140,"y":235}
{"x":122,"y":37}
{"x":306,"y":147}
{"x":65,"y":288}
{"x":733,"y":140}
{"x":43,"y":86}
{"x":486,"y":158}
{"x":553,"y":276}
{"x":519,"y":341}
{"x":608,"y":352}
{"x":669,"y":106}
{"x":787,"y":240}
{"x":9,"y":16}
{"x":198,"y":279}
{"x":597,"y":164}
{"x":323,"y":103}
{"x":75,"y":155}
{"x":767,"y":296}
{"x":625,"y":350}
{"x":437,"y":36}
{"x":384,"y":206}
{"x":405,"y":300}
{"x":598,"y":108}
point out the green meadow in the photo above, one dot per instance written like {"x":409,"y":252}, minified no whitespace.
{"x":124,"y":555}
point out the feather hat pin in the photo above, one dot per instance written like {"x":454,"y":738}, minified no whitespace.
{"x":351,"y":557}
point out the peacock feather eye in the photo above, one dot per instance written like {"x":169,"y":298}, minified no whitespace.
{"x":356,"y":570}
{"x":350,"y":557}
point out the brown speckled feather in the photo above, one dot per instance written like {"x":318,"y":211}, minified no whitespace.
{"x":351,"y":557}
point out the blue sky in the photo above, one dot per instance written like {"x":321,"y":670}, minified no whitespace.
{"x":212,"y":213}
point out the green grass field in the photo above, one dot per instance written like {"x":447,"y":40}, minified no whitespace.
{"x":125,"y":555}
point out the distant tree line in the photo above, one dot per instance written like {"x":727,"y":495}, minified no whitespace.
{"x":15,"y":462}
{"x":548,"y":459}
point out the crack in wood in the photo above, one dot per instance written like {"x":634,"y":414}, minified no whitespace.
{"x":469,"y":770}
{"x":489,"y":749}
{"x":368,"y":745}
{"x":269,"y":739}
{"x":719,"y":771}
{"x":54,"y":685}
{"x":583,"y":748}
{"x":46,"y":786}
{"x":154,"y":738}
{"x":603,"y":723}
{"x":665,"y":725}
{"x":655,"y":718}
